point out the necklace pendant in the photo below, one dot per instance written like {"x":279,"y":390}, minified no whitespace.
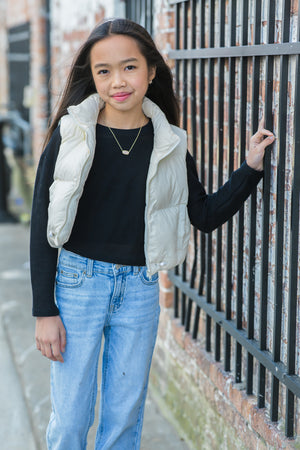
{"x":125,"y":152}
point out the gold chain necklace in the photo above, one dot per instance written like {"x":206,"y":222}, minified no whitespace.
{"x":125,"y":152}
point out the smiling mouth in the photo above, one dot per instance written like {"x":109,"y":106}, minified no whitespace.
{"x":121,"y":96}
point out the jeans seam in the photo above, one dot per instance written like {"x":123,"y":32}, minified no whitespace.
{"x":103,"y":381}
{"x":121,"y":296}
{"x":93,"y":396}
{"x":52,"y":408}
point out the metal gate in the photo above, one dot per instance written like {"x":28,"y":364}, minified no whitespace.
{"x":239,"y":285}
{"x":141,"y":11}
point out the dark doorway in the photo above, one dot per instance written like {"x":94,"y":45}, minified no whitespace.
{"x":19,"y":67}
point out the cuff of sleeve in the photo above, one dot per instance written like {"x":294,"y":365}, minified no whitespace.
{"x":45,"y":312}
{"x":249,"y":170}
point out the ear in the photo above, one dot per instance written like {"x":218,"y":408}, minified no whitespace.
{"x":152,"y":73}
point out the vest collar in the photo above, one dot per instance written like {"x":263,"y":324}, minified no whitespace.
{"x":164,"y":137}
{"x":86,"y":115}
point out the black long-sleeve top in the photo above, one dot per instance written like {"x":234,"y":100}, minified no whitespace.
{"x":109,"y":224}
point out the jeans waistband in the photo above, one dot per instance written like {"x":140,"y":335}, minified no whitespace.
{"x":91,"y":265}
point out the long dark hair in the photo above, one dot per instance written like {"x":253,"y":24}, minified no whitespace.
{"x":80,"y":82}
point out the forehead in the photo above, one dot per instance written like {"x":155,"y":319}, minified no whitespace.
{"x":115,"y":48}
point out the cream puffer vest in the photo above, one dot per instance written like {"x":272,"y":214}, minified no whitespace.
{"x":167,"y":226}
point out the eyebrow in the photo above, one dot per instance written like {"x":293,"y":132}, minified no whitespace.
{"x":125,"y":61}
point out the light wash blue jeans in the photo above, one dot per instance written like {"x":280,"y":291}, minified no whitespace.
{"x":96,"y":298}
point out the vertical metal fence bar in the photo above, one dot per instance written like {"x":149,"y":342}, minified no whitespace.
{"x":221,"y":65}
{"x":134,"y":10}
{"x":137,"y":11}
{"x":128,"y":9}
{"x":149,"y":16}
{"x":202,"y":157}
{"x":253,"y":199}
{"x":242,"y":145}
{"x":294,"y":255}
{"x":177,"y":44}
{"x":227,"y":350}
{"x":184,"y":125}
{"x":194,"y":151}
{"x":152,"y":9}
{"x":140,"y":11}
{"x":284,"y":60}
{"x":210,"y":165}
{"x":177,"y":89}
{"x":142,"y":18}
{"x":185,"y":65}
{"x":266,"y":210}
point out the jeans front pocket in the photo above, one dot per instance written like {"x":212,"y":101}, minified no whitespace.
{"x":145,"y":279}
{"x":69,"y":276}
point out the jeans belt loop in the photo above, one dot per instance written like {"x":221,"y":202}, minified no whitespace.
{"x":136,"y":269}
{"x":89,"y":268}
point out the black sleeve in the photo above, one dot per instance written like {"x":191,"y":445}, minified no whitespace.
{"x":208,"y":211}
{"x":43,"y":258}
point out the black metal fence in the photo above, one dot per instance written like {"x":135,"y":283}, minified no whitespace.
{"x":242,"y":77}
{"x":237,"y":61}
{"x":141,"y":11}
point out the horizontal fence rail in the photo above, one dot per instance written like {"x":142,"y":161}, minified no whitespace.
{"x":239,"y":286}
{"x":238,"y":52}
{"x":278,"y":369}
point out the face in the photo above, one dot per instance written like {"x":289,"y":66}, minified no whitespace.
{"x":121,"y":75}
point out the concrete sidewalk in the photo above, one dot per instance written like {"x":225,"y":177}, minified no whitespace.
{"x":24,"y":374}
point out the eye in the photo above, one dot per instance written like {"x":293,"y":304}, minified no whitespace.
{"x":102,"y":72}
{"x":131,"y":67}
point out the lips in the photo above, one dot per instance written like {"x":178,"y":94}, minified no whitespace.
{"x":121,"y":96}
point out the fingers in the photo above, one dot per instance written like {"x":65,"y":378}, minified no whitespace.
{"x":267,"y":141}
{"x":47,"y":351}
{"x":259,"y":135}
{"x":51,"y":337}
{"x":56,"y":354}
{"x":261,"y":123}
{"x":50,"y":350}
{"x":264,"y":132}
{"x":258,"y":143}
{"x":63,"y":340}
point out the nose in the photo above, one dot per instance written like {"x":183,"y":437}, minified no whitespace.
{"x":118,"y":80}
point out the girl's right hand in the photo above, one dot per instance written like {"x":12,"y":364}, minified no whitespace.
{"x":50,"y":336}
{"x":258,"y":144}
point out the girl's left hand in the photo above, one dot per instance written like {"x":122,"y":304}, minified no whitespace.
{"x":258,"y":143}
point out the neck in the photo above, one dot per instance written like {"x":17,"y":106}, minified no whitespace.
{"x":122,"y":119}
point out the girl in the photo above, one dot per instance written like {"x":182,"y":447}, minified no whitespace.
{"x":116,"y":190}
